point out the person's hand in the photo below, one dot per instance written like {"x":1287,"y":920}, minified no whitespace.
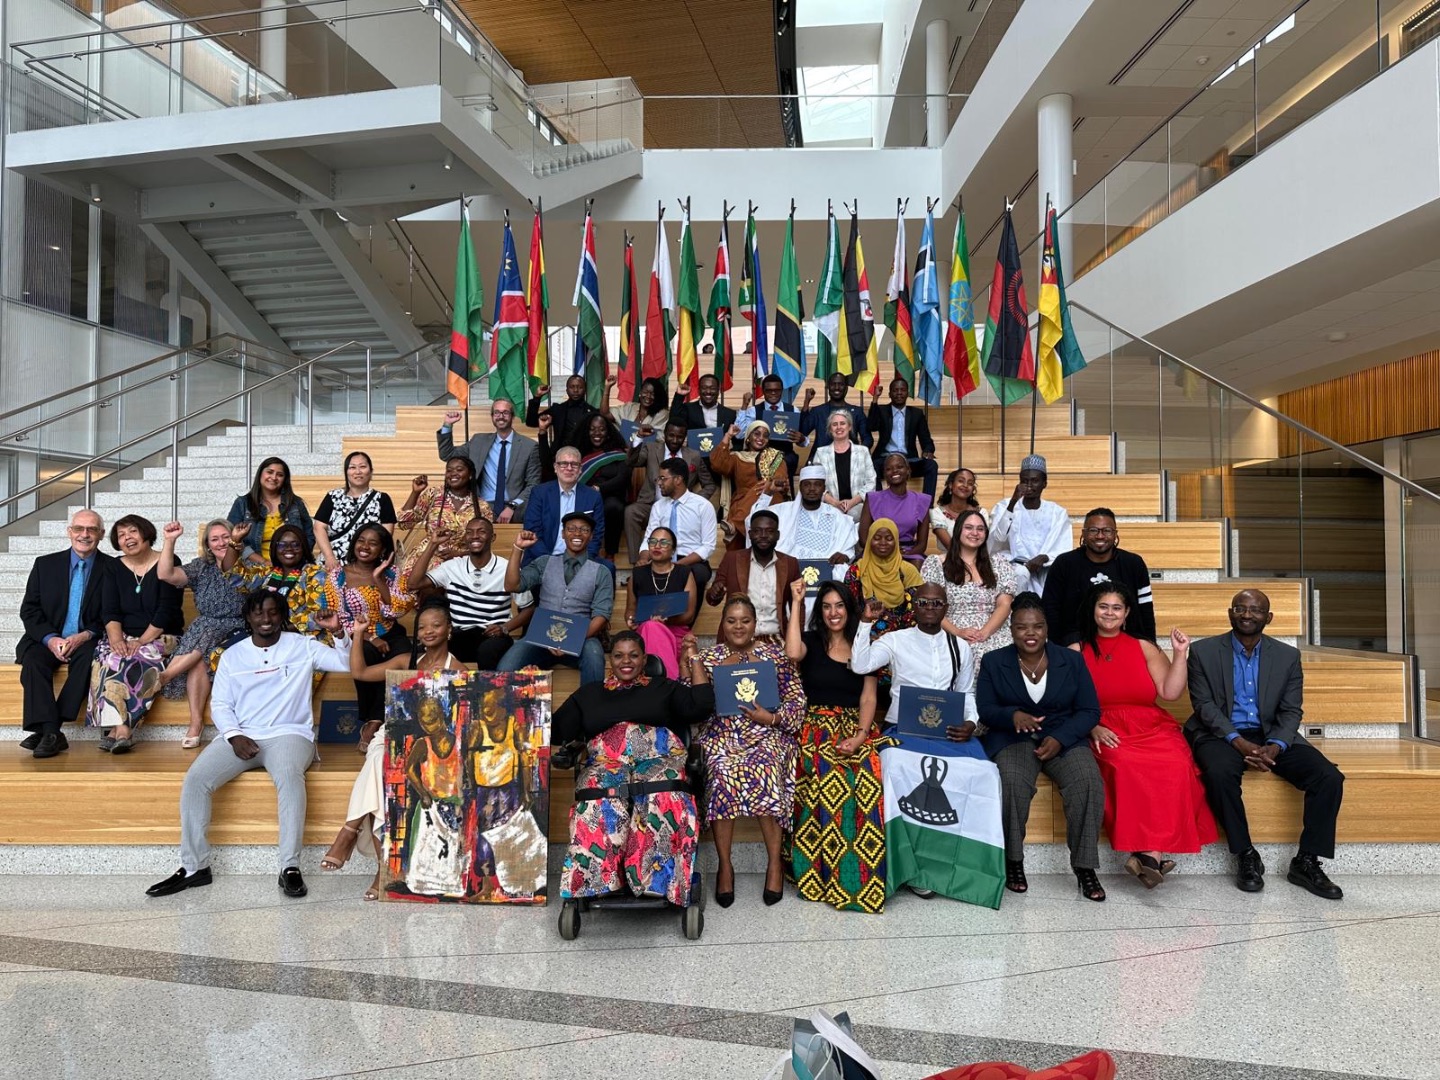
{"x":368,"y":731}
{"x":645,"y":431}
{"x":557,"y":654}
{"x":1101,"y":735}
{"x":381,"y":645}
{"x":420,"y":483}
{"x":494,"y":630}
{"x":715,"y":593}
{"x":239,"y":532}
{"x":505,"y":516}
{"x":543,"y":390}
{"x":1037,"y":562}
{"x":839,"y":559}
{"x":1024,"y":722}
{"x":929,"y":455}
{"x":630,"y":621}
{"x":544,"y":422}
{"x":973,"y":634}
{"x":330,"y":622}
{"x":245,"y":747}
{"x":797,"y":590}
{"x":610,"y":380}
{"x":644,"y":558}
{"x":526,"y":539}
{"x":1049,"y":747}
{"x":73,"y":642}
{"x":796,"y":437}
{"x":173,"y":530}
{"x":452,"y":417}
{"x":689,"y":642}
{"x":1017,"y":495}
{"x":849,"y":747}
{"x":745,"y":400}
{"x":960,"y":732}
{"x":758,"y":715}
{"x":127,"y":648}
{"x":58,"y":647}
{"x":874,"y":610}
{"x":733,"y":431}
{"x":1179,"y":641}
{"x":387,"y":562}
{"x":1263,"y":759}
{"x":446,"y":549}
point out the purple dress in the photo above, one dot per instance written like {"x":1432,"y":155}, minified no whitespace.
{"x":907,"y":511}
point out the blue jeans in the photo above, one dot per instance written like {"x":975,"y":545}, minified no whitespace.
{"x":591,"y":662}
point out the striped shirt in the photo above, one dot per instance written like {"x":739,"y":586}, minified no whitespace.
{"x":477,"y":597}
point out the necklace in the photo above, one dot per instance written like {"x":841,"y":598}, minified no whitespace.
{"x":1034,"y":676}
{"x":655,"y":579}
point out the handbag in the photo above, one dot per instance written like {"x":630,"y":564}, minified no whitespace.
{"x":824,"y":1048}
{"x":355,"y":519}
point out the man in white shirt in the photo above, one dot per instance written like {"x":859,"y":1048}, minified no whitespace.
{"x":1028,"y":530}
{"x":474,"y":584}
{"x":261,"y":708}
{"x":689,"y":516}
{"x":811,"y":529}
{"x":923,"y":655}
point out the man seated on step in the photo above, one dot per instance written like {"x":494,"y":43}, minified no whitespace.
{"x":574,"y":583}
{"x":1029,"y":531}
{"x":481,"y":618}
{"x":650,"y":456}
{"x":261,"y":709}
{"x":507,"y":463}
{"x":812,"y":529}
{"x":761,"y":573}
{"x":553,"y":500}
{"x":688,"y":516}
{"x":1247,"y":691}
{"x":1099,"y":558}
{"x":63,"y":620}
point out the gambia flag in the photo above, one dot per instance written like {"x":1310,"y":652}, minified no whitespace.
{"x":509,"y":328}
{"x":942,"y":820}
{"x":467,"y":325}
{"x":718,"y":314}
{"x":1009,"y":362}
{"x":897,"y":308}
{"x":1059,"y":350}
{"x":627,"y":385}
{"x":590,"y":362}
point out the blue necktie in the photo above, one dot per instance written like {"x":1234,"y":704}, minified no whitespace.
{"x":500,"y":475}
{"x":72,"y":607}
{"x":674,"y":514}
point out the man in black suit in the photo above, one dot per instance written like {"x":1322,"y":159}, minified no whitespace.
{"x":569,"y":420}
{"x":707,"y":412}
{"x":899,"y":428}
{"x":63,"y":621}
{"x":507,"y":464}
{"x":1247,"y":690}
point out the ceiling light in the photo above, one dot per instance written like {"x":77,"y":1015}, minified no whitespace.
{"x":94,"y":192}
{"x":1202,"y":60}
{"x":1337,"y":336}
{"x":449,"y":161}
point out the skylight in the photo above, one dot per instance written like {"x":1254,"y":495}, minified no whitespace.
{"x":833,"y":108}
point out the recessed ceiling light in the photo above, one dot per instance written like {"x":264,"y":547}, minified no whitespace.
{"x":1337,"y":335}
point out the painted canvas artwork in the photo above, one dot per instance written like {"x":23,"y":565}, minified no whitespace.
{"x":467,"y":786}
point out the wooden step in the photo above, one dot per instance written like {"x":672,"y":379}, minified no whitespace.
{"x":1130,"y":495}
{"x":1350,"y":547}
{"x":1200,"y":608}
{"x":1171,"y":545}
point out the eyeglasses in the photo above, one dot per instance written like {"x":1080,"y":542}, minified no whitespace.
{"x":660,"y":541}
{"x":1249,"y":609}
{"x":85,"y":530}
{"x":929,"y":603}
{"x":1099,"y":532}
{"x":288,"y":545}
{"x":567,"y":464}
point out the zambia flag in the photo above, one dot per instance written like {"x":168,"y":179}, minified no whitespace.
{"x":1059,"y":350}
{"x":1009,"y":363}
{"x":855,"y":354}
{"x":467,"y":325}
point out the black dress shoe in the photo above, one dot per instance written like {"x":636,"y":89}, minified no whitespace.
{"x":30,"y":741}
{"x":1306,"y":871}
{"x":179,"y":882}
{"x":51,"y":745}
{"x":1251,"y":875}
{"x":292,"y":882}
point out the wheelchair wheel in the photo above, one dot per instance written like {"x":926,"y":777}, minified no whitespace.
{"x":569,"y":920}
{"x":692,"y":922}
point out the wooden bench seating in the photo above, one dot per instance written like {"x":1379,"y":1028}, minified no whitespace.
{"x":1171,"y":545}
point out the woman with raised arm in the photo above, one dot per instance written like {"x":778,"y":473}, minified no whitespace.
{"x":882,"y":574}
{"x":345,"y":509}
{"x":441,"y":513}
{"x":291,"y":573}
{"x":757,"y":472}
{"x":648,"y":410}
{"x":605,"y":467}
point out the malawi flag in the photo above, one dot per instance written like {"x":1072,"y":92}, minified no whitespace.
{"x":537,"y":301}
{"x":718,"y":314}
{"x":691,"y":329}
{"x":925,"y":311}
{"x":1059,"y":350}
{"x":659,"y":320}
{"x":897,"y":309}
{"x":942,"y":820}
{"x":626,"y":384}
{"x":829,"y":299}
{"x":1009,"y":362}
{"x":855,"y":354}
{"x":752,"y":307}
{"x":467,"y":325}
{"x":590,"y":359}
{"x":509,"y":330}
{"x":961,"y":355}
{"x":788,"y":359}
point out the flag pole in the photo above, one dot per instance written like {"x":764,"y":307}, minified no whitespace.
{"x":959,"y":401}
{"x":467,"y":360}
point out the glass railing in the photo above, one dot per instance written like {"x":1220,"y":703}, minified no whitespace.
{"x":747,"y":121}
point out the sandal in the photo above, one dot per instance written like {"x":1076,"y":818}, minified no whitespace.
{"x":330,"y":860}
{"x":1090,"y":886}
{"x":1166,"y":865}
{"x":373,"y":892}
{"x":1145,"y":867}
{"x":1015,"y":876}
{"x":190,"y":742}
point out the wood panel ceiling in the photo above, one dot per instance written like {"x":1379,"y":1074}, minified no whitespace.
{"x":667,"y":46}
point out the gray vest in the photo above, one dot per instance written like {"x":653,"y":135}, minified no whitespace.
{"x":575,"y":598}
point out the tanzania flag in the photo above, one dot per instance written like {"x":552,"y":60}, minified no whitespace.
{"x":961,"y":355}
{"x":590,"y":359}
{"x":691,"y":329}
{"x":509,"y":329}
{"x":789,"y":355}
{"x":942,"y":820}
{"x":752,"y":307}
{"x":829,"y":299}
{"x":1009,"y":364}
{"x":659,"y":322}
{"x":467,"y":326}
{"x":925,"y":307}
{"x":718,"y":314}
{"x":537,"y":302}
{"x":1059,"y":350}
{"x":897,"y":309}
{"x":626,"y":384}
{"x":855,"y":355}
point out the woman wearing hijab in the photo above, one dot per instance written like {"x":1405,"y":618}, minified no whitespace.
{"x":882,"y":574}
{"x":757,"y":472}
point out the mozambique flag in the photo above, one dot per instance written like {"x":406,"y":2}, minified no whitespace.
{"x":659,"y":320}
{"x":718,"y":313}
{"x":1009,"y":363}
{"x":897,"y":309}
{"x":467,"y":325}
{"x":961,"y":355}
{"x":788,"y":359}
{"x":627,"y":385}
{"x":537,"y":302}
{"x":1059,"y":350}
{"x":829,"y":299}
{"x":687,"y":345}
{"x":590,"y":359}
{"x":855,"y":355}
{"x":925,"y":312}
{"x":509,"y":328}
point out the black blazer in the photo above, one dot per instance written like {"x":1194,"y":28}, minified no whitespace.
{"x":1280,"y":692}
{"x":694,"y":417}
{"x":1069,"y":704}
{"x":137,"y":606}
{"x":880,"y":423}
{"x":47,"y":596}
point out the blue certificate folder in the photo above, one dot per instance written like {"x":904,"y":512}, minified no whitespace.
{"x":628,"y":428}
{"x":813,"y":572}
{"x":927,"y":713}
{"x":782,"y":423}
{"x":339,"y":722}
{"x":745,"y":684}
{"x":704,"y":440}
{"x":665,"y":605}
{"x":551,"y":629}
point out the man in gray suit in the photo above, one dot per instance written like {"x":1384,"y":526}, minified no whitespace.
{"x":650,"y":456}
{"x":507,"y":464}
{"x":1247,"y":691}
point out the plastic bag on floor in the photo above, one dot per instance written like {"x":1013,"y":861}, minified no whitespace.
{"x":824,"y":1048}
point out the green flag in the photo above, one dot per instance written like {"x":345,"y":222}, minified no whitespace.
{"x":829,"y":299}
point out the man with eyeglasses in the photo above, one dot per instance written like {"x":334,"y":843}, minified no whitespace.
{"x":61,"y":613}
{"x":650,"y":457}
{"x":1247,"y":691}
{"x":689,"y":516}
{"x":507,"y":463}
{"x":552,"y":502}
{"x":1099,"y":558}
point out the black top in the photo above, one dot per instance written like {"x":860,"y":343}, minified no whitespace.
{"x":643,"y":581}
{"x":842,"y":473}
{"x":1070,"y":579}
{"x":592,"y":709}
{"x":137,"y":604}
{"x":827,"y":681}
{"x":567,"y":421}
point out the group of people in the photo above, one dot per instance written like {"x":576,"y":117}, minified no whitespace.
{"x":1052,"y":644}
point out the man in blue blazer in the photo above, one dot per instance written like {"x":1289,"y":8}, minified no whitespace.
{"x":550,"y":502}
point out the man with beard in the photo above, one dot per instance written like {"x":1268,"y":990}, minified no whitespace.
{"x":760,"y":572}
{"x":1098,"y":559}
{"x":812,"y":529}
{"x":650,"y":456}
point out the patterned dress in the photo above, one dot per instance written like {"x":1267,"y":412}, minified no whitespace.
{"x":971,"y":605}
{"x":344,"y":515}
{"x":218,"y":606}
{"x":441,"y":514}
{"x":751,"y":766}
{"x":894,"y":618}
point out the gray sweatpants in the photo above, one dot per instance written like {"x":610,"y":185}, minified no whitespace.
{"x":285,"y":758}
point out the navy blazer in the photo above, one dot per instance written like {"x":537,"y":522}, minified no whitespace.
{"x":1069,"y":705}
{"x":542,"y":517}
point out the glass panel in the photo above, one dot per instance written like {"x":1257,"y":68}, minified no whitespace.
{"x":1421,"y":569}
{"x":1136,"y":191}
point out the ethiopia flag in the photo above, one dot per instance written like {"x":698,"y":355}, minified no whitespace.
{"x":961,"y":356}
{"x":467,"y":325}
{"x":509,"y":329}
{"x":1009,"y":362}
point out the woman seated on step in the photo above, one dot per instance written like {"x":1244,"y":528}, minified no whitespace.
{"x":291,"y":573}
{"x":345,"y":509}
{"x":441,"y":512}
{"x":270,"y":503}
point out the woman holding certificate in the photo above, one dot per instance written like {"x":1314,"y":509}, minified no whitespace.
{"x":662,"y":576}
{"x":749,"y":744}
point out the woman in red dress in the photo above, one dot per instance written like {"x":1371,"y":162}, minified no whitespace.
{"x":1154,"y":800}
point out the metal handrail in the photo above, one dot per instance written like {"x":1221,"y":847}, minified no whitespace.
{"x":1255,"y":403}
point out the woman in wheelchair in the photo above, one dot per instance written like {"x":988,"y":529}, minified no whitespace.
{"x":634,"y":826}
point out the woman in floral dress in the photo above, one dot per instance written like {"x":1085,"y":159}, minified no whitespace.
{"x":978,"y":592}
{"x":368,"y":587}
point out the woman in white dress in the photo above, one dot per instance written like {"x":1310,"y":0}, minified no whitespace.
{"x":849,"y":471}
{"x":958,"y":496}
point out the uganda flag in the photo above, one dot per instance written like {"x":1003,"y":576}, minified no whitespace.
{"x":855,"y":355}
{"x":1009,"y":363}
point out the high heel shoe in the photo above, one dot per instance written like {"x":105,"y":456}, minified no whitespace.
{"x":772,"y":896}
{"x":726,"y":898}
{"x":1015,"y":876}
{"x":1090,"y":886}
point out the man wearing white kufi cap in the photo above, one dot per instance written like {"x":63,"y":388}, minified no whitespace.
{"x":1028,"y":530}
{"x":811,"y":529}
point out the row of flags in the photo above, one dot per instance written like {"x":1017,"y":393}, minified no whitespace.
{"x":925,"y":346}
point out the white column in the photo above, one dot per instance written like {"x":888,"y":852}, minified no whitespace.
{"x":937,"y":82}
{"x":1056,"y":160}
{"x":273,"y":18}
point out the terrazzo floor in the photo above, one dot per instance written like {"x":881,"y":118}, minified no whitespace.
{"x":1193,"y":981}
